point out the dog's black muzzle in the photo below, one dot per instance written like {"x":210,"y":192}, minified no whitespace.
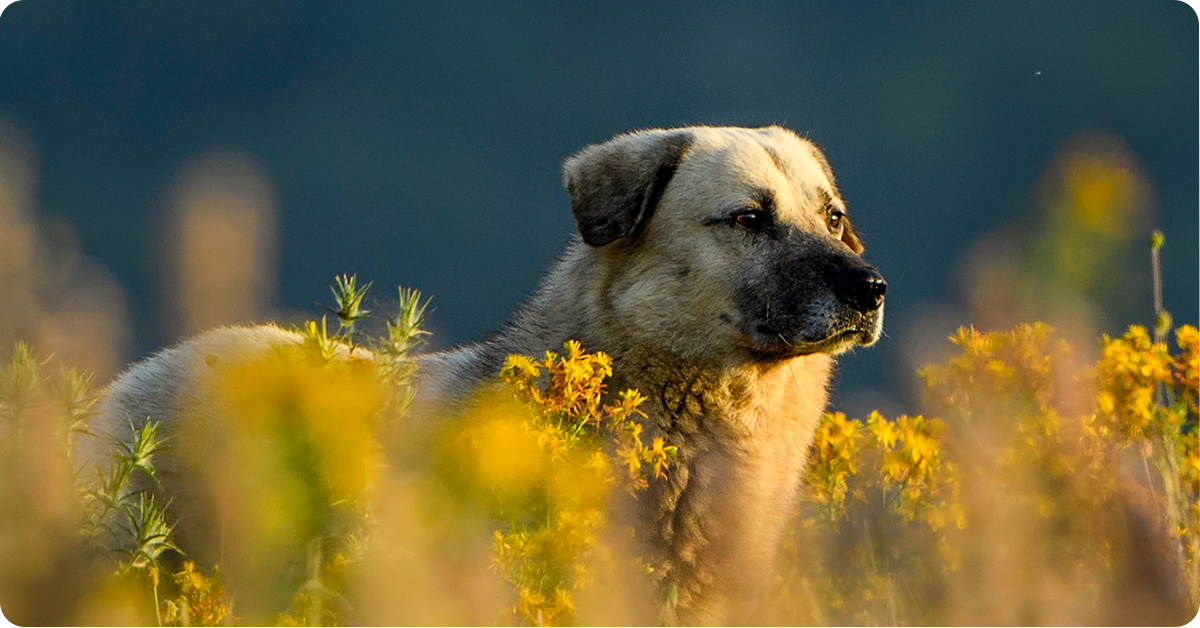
{"x":813,"y":297}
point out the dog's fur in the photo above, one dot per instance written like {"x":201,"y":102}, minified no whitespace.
{"x":718,"y":268}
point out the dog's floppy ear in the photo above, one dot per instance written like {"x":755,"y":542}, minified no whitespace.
{"x":615,"y":186}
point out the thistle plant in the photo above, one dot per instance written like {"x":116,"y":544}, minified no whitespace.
{"x":308,"y":430}
{"x":318,"y":345}
{"x":116,"y":486}
{"x":20,"y":382}
{"x":405,"y":330}
{"x":405,"y":333}
{"x":77,"y":402}
{"x":348,"y":298}
{"x":122,"y":518}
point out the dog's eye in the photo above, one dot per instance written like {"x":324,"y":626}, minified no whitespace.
{"x":750,"y":219}
{"x":835,"y":222}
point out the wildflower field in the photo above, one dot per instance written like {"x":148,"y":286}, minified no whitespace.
{"x":1035,"y":490}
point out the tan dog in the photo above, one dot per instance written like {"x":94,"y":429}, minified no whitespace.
{"x":719,"y":268}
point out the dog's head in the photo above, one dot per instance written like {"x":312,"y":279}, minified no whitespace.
{"x":725,"y":243}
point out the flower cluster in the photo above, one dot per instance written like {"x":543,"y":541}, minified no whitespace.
{"x":834,"y":459}
{"x":548,"y":474}
{"x":1148,"y":399}
{"x":1131,"y":370}
{"x":1032,"y":474}
{"x":881,"y":506}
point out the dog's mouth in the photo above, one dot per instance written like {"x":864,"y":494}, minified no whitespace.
{"x":841,"y":339}
{"x":833,"y":343}
{"x":774,"y":342}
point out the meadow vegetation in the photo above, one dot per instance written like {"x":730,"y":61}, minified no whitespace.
{"x":1052,"y":476}
{"x":1045,"y":491}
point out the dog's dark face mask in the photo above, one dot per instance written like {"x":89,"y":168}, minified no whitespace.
{"x":801,"y":294}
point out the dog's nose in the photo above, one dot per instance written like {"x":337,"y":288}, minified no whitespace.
{"x":863,"y":289}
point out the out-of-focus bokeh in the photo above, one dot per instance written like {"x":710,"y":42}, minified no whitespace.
{"x":51,"y":293}
{"x":218,"y":251}
{"x":422,"y":145}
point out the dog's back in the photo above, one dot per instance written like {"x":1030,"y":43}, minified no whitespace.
{"x":160,"y":387}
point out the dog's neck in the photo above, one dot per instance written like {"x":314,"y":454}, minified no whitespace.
{"x":742,"y":433}
{"x":742,"y":430}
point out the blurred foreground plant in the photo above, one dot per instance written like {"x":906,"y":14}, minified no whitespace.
{"x":1148,"y":400}
{"x":63,"y":537}
{"x":543,"y":466}
{"x":1048,"y":491}
{"x":302,"y":431}
{"x":874,"y":535}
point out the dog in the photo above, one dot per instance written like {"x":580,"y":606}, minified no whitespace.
{"x":719,"y":268}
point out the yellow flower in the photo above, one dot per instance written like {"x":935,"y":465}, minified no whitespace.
{"x":659,"y":454}
{"x":882,"y":429}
